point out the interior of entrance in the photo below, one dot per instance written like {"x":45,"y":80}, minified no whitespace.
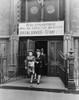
{"x":39,"y":45}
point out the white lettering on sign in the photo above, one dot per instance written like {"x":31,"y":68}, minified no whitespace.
{"x":41,"y":28}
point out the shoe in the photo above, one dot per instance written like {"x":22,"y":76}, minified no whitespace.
{"x":31,"y":82}
{"x":34,"y":78}
{"x":38,"y":83}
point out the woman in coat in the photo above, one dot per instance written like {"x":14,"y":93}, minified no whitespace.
{"x":31,"y":64}
{"x":38,"y":65}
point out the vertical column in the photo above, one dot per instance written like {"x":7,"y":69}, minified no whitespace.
{"x":18,"y":12}
{"x":28,"y":41}
{"x":26,"y":11}
{"x":66,"y":41}
{"x":23,"y":11}
{"x":11,"y":50}
{"x":76,"y":61}
{"x":64,"y":46}
{"x":12,"y":15}
{"x":78,"y":66}
{"x":42,"y":9}
{"x":14,"y":51}
{"x":67,"y":44}
{"x":11,"y":29}
{"x":67,"y":3}
{"x":71,"y":82}
{"x":72,"y":43}
{"x":16,"y":39}
{"x":58,"y":9}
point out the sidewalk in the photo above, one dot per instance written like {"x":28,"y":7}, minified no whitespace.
{"x":7,"y":94}
{"x":47,"y":84}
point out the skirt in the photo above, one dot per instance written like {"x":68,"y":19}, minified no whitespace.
{"x":38,"y":69}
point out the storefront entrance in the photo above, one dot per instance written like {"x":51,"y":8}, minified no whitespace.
{"x":52,"y":48}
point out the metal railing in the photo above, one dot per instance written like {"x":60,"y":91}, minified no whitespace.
{"x":63,"y":69}
{"x":11,"y":75}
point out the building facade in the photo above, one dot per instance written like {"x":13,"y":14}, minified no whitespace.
{"x":15,"y":48}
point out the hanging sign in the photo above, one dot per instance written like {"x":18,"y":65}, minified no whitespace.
{"x":41,"y":28}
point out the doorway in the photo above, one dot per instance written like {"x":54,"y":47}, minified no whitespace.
{"x":51,"y":47}
{"x":40,"y":45}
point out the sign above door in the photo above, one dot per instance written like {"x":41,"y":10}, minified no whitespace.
{"x":55,"y":28}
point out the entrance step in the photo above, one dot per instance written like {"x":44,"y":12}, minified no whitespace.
{"x":46,"y":84}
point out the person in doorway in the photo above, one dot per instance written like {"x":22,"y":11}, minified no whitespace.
{"x":43,"y":56}
{"x":38,"y":65}
{"x":31,"y":64}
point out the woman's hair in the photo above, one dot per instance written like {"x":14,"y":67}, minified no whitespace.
{"x":37,"y":50}
{"x":30,"y":51}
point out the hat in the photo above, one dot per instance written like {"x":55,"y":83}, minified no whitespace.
{"x":30,"y":50}
{"x":42,"y":49}
{"x":37,"y":50}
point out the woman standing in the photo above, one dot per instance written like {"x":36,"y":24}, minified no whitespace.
{"x":38,"y":65}
{"x":31,"y":64}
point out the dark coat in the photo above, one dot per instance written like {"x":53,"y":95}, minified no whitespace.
{"x":38,"y":65}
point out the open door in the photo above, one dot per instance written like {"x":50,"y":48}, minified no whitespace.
{"x":24,"y":46}
{"x":30,"y":45}
{"x":53,"y":56}
{"x":22,"y":56}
